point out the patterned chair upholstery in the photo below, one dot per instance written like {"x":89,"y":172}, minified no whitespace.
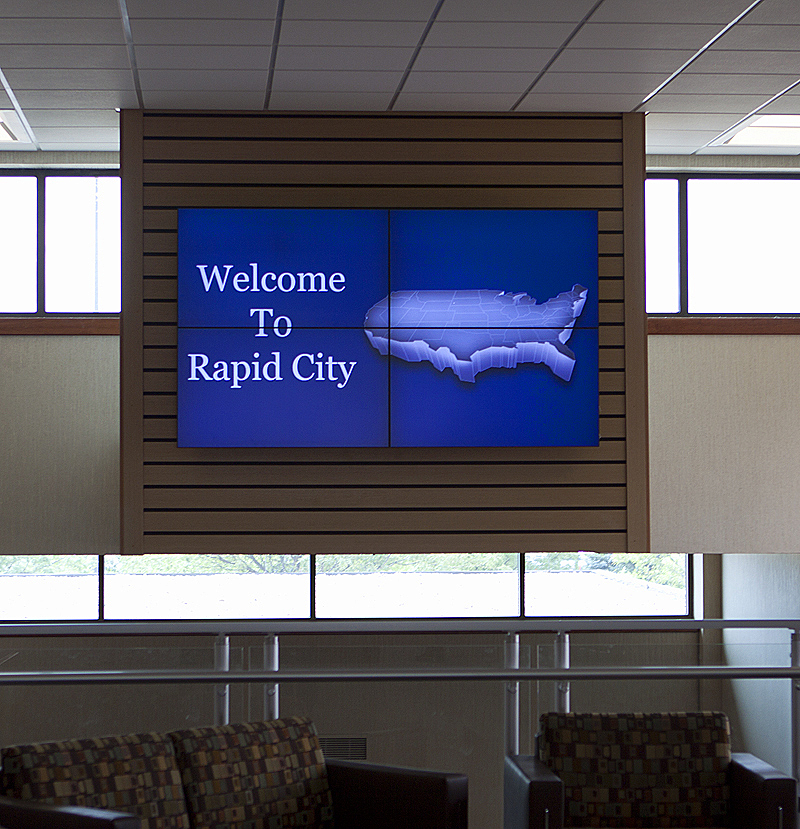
{"x":644,"y":771}
{"x":265,"y":775}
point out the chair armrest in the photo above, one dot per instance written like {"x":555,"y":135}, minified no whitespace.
{"x":366,"y":796}
{"x":24,"y":814}
{"x":759,"y":793}
{"x":530,"y":793}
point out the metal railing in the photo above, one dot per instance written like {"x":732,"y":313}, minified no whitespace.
{"x":512,"y":674}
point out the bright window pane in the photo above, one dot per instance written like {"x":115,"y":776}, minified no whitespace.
{"x":744,"y":246}
{"x":410,"y":586}
{"x":661,"y":246}
{"x":207,"y":587}
{"x":606,"y":584}
{"x":82,"y":244}
{"x":18,"y":243}
{"x":44,"y":588}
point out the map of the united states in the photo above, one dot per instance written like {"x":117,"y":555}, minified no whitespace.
{"x":472,"y":331}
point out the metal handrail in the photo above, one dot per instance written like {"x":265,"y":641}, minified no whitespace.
{"x":261,"y":627}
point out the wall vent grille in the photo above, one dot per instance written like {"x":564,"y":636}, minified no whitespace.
{"x":344,"y":748}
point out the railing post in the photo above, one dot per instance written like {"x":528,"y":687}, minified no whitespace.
{"x":222,"y":693}
{"x":271,"y":690}
{"x":512,"y":695}
{"x":796,"y":705}
{"x":562,"y":661}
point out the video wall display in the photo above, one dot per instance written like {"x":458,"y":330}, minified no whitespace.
{"x":387,"y":328}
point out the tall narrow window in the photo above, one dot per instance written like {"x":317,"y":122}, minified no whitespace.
{"x":82,"y":244}
{"x":662,"y":246}
{"x":18,"y":229}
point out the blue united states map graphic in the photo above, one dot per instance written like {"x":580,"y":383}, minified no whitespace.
{"x":470,"y":331}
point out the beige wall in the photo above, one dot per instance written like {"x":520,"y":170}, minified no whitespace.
{"x":724,"y":443}
{"x":59,"y":445}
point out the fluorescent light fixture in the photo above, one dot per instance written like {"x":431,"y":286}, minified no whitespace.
{"x":769,"y":131}
{"x":5,"y":131}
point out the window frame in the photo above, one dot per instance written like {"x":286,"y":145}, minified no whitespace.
{"x":685,"y":322}
{"x":313,"y":617}
{"x":42,"y":321}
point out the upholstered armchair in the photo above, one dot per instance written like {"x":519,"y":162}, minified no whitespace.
{"x":644,"y":771}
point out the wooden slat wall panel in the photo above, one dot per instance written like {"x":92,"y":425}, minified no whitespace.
{"x":361,"y":500}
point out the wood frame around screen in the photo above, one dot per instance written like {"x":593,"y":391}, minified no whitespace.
{"x":354,"y":500}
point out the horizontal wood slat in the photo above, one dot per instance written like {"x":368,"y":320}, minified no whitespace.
{"x":382,"y":497}
{"x":415,"y":520}
{"x":217,"y":501}
{"x":386,"y":175}
{"x":160,"y":155}
{"x":359,"y":195}
{"x":277,"y":474}
{"x":369,"y":127}
{"x":303,"y":543}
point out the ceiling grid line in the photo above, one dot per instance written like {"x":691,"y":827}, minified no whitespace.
{"x":128,"y":35}
{"x":556,"y":55}
{"x":415,"y":54}
{"x":273,"y":53}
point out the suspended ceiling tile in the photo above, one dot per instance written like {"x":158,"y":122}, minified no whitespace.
{"x":643,"y":36}
{"x":199,"y":79}
{"x":58,"y":8}
{"x":377,"y":82}
{"x":351,"y":33}
{"x":77,"y":99}
{"x":739,"y":150}
{"x":482,"y":83}
{"x":359,"y":10}
{"x":453,"y":59}
{"x":599,"y":82}
{"x":572,"y":11}
{"x":471,"y":35}
{"x":214,"y":9}
{"x":41,"y":79}
{"x":788,"y":104}
{"x":61,"y":30}
{"x":764,"y":85}
{"x":372,"y":58}
{"x":219,"y":99}
{"x":351,"y":101}
{"x":202,"y":57}
{"x":718,"y":13}
{"x":73,"y":118}
{"x":668,"y":149}
{"x":81,"y":146}
{"x":774,"y":11}
{"x":454,"y":102}
{"x":681,"y":138}
{"x":577,"y":102}
{"x":64,"y":57}
{"x":734,"y":104}
{"x":669,"y":121}
{"x":664,"y":61}
{"x":780,"y":37}
{"x":5,"y":101}
{"x":202,"y":32}
{"x":63,"y":135}
{"x":728,"y":61}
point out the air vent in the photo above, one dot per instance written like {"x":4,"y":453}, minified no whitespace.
{"x":344,"y":748}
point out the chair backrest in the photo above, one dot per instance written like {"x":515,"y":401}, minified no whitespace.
{"x":639,"y":770}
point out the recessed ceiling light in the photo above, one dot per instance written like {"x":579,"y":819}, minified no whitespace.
{"x":769,"y":131}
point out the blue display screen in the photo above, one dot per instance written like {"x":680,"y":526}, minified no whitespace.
{"x":387,"y":328}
